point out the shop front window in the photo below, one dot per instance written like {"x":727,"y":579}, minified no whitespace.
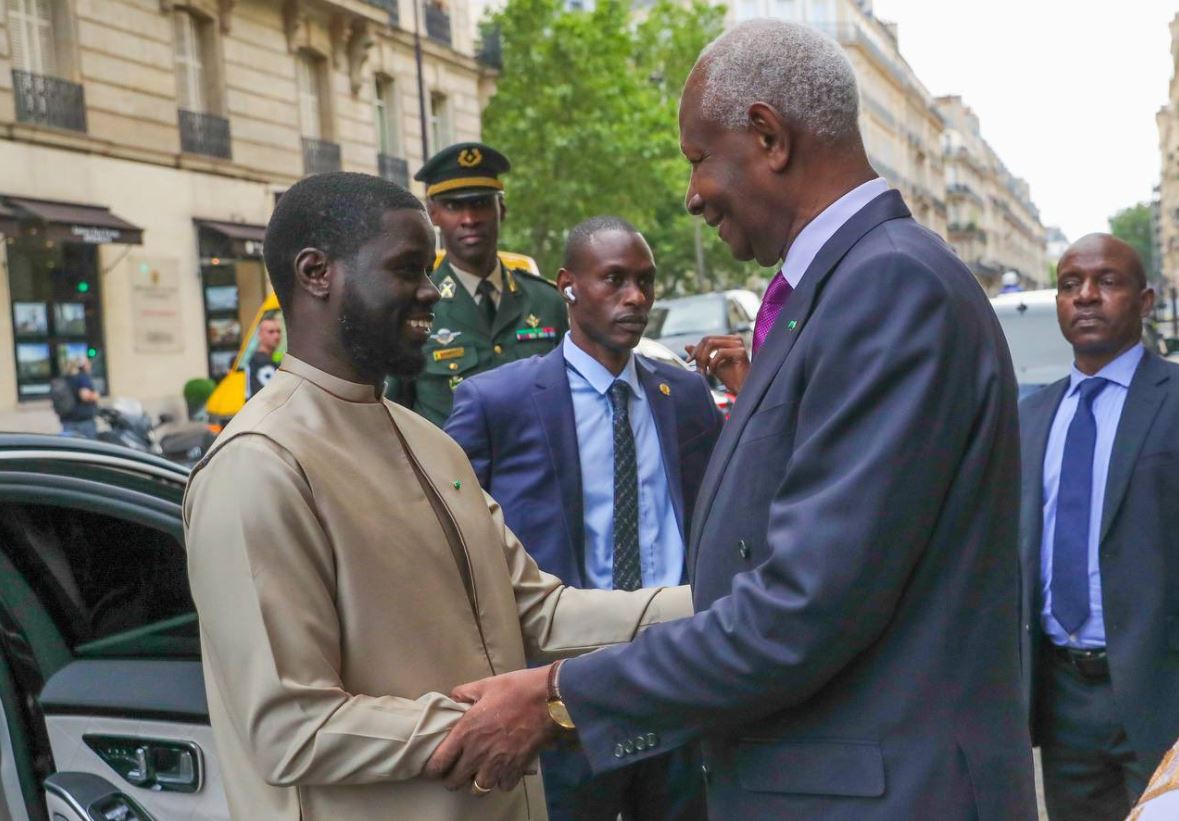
{"x":56,"y":312}
{"x":234,"y":287}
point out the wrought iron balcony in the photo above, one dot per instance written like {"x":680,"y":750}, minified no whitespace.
{"x":49,"y":101}
{"x":320,"y":156}
{"x":394,"y":169}
{"x":491,"y":50}
{"x":205,"y":134}
{"x":437,"y":23}
{"x":392,"y":7}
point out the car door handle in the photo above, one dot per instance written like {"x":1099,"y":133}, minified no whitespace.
{"x":151,"y":764}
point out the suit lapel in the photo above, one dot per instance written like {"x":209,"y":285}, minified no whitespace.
{"x":1142,"y":404}
{"x":1036,"y":427}
{"x":554,"y":407}
{"x":789,"y":326}
{"x":663,"y":410}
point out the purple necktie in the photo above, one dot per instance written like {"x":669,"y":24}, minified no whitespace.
{"x":777,"y":293}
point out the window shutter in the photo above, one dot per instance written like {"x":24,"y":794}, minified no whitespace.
{"x":307,"y":80}
{"x":30,"y":25}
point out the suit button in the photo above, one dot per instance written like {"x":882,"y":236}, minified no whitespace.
{"x":1027,"y":628}
{"x":743,"y":549}
{"x":640,"y":743}
{"x":454,"y":366}
{"x":706,"y":773}
{"x":652,"y":740}
{"x":629,"y":747}
{"x":619,"y":752}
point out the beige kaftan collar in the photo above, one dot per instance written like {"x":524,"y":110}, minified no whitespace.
{"x":341,"y":388}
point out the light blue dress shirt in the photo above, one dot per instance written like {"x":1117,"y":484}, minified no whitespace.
{"x":1107,"y":411}
{"x":661,"y":547}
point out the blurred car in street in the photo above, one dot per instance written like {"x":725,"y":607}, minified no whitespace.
{"x":1040,"y":353}
{"x":686,"y":320}
{"x":101,"y":691}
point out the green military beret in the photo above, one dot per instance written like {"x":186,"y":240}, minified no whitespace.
{"x":463,"y":170}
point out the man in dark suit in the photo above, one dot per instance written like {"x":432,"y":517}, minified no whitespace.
{"x":1099,"y":535}
{"x":853,"y":556}
{"x":543,"y":437}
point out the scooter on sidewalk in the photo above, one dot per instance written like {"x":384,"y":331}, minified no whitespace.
{"x":130,"y":426}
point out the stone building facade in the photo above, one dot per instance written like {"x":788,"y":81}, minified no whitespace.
{"x":143,"y":144}
{"x":993,"y":223}
{"x":1167,"y":225}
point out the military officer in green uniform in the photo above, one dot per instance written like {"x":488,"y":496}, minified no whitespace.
{"x":489,"y":313}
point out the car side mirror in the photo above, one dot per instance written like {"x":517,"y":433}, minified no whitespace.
{"x":1172,"y":344}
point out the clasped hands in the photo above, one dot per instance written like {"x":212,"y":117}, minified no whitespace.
{"x":499,"y":736}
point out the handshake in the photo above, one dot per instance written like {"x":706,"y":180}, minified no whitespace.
{"x":500,"y":735}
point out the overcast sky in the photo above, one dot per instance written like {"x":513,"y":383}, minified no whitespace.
{"x":1065,"y":90}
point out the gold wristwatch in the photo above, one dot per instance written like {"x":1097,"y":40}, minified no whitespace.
{"x":558,"y":712}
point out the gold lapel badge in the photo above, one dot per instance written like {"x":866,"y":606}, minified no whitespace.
{"x":533,"y":321}
{"x":664,"y":389}
{"x":446,"y":288}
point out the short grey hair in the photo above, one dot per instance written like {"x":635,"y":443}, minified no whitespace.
{"x":794,"y":68}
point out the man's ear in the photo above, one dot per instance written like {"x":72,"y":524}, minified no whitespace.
{"x":564,"y":279}
{"x":313,"y":273}
{"x":772,"y":133}
{"x":503,"y":208}
{"x":432,"y":209}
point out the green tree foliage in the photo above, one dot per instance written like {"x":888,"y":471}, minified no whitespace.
{"x":1132,"y":225}
{"x":586,"y":108}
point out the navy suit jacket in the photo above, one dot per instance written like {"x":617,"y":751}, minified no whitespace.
{"x":1138,"y":553}
{"x":517,"y":427}
{"x":855,"y":651}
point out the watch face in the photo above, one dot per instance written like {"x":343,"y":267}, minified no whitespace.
{"x":559,"y":714}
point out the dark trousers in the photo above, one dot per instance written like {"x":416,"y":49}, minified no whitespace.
{"x":1090,"y":770}
{"x":668,"y":787}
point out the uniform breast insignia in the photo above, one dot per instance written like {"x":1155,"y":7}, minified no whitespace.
{"x":454,"y":382}
{"x":534,"y":334}
{"x":532,"y":321}
{"x":510,"y":280}
{"x":444,"y":336}
{"x":442,"y":354}
{"x":446,"y":288}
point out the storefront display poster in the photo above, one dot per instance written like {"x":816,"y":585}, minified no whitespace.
{"x":30,"y":318}
{"x":69,"y":319}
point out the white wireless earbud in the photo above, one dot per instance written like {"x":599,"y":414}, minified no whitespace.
{"x":569,"y":295}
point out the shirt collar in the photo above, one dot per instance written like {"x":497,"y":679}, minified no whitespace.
{"x":1120,"y":371}
{"x":814,"y":235}
{"x":471,"y":281}
{"x":595,"y":372}
{"x":340,"y":388}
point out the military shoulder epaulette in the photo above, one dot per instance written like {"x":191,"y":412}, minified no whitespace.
{"x":521,"y":272}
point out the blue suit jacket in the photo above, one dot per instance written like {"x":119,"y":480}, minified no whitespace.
{"x":855,"y":651}
{"x":517,"y":426}
{"x":1138,"y":555}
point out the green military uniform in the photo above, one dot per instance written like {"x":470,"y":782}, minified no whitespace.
{"x":529,"y":319}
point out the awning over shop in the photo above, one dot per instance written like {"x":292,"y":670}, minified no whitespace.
{"x":8,"y":220}
{"x":245,"y":239}
{"x":73,"y":222}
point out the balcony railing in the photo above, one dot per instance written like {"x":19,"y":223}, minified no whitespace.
{"x":394,"y":169}
{"x":491,"y":52}
{"x":437,"y":23}
{"x":49,"y":101}
{"x":320,"y":156}
{"x":205,"y":134}
{"x":392,"y":7}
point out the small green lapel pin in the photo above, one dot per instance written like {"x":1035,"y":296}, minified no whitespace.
{"x":457,"y":484}
{"x":792,"y":324}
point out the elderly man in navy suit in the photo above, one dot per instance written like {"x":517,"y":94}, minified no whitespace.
{"x":595,"y":455}
{"x":1100,"y":540}
{"x":853,"y":556}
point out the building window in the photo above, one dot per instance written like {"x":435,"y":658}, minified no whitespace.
{"x":784,"y":9}
{"x":309,"y":78}
{"x":191,"y":38}
{"x":56,"y":311}
{"x":387,"y":114}
{"x":748,"y":9}
{"x":30,"y":25}
{"x":441,"y":130}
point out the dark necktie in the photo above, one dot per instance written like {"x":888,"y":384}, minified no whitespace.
{"x":771,"y":305}
{"x":487,"y":291}
{"x":1070,"y":543}
{"x":627,"y":572}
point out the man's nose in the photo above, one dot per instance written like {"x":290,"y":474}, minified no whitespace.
{"x":1089,"y":290}
{"x":693,"y":201}
{"x":428,"y":291}
{"x":632,"y":294}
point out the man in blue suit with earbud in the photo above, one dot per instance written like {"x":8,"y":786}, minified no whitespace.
{"x":595,"y":455}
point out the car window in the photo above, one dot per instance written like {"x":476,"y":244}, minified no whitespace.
{"x":106,"y":581}
{"x":693,"y":316}
{"x":737,"y":315}
{"x":1039,"y":351}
